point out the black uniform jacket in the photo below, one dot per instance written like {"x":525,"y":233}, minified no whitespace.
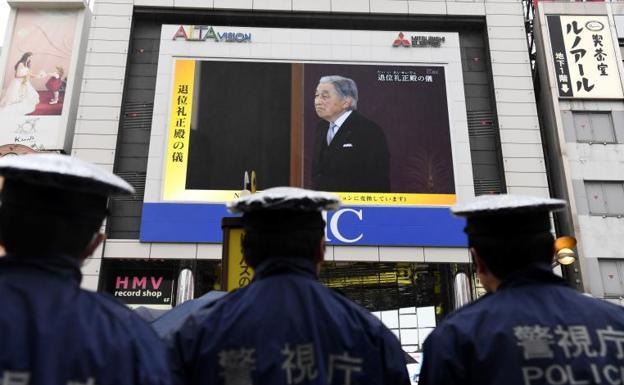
{"x":52,"y":332}
{"x":532,"y":330}
{"x":286,"y":328}
{"x":357,"y":159}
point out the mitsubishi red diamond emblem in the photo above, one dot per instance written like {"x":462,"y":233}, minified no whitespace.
{"x":401,"y":41}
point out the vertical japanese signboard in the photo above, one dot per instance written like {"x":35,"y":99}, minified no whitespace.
{"x":584,"y":57}
{"x":236,"y":272}
{"x":179,"y":126}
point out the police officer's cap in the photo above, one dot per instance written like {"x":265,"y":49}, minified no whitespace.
{"x":507,"y":215}
{"x":284,"y":208}
{"x":54,"y":183}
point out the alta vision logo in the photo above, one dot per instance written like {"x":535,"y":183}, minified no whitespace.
{"x":205,"y":32}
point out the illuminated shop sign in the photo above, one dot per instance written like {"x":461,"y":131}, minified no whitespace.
{"x":141,"y":287}
{"x":204,"y":32}
{"x":236,"y":272}
{"x":584,"y":57}
{"x":418,"y":41}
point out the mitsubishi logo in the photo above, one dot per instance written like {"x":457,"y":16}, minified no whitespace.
{"x":418,"y":41}
{"x":401,"y":41}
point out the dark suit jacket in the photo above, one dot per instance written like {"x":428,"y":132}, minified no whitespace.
{"x":357,"y":159}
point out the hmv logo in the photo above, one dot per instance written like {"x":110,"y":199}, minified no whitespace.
{"x":143,"y":289}
{"x":127,"y":282}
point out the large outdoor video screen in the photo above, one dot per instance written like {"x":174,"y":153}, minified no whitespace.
{"x":228,"y":117}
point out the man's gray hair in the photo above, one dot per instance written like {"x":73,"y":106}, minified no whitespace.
{"x":345,"y":87}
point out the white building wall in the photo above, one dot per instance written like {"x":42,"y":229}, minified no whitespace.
{"x":133,"y":249}
{"x":523,"y":157}
{"x":100,"y":106}
{"x":598,"y":237}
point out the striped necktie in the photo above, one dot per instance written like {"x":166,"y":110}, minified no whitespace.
{"x":331,"y":132}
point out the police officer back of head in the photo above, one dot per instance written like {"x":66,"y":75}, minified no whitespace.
{"x":531,"y":328}
{"x":51,"y":331}
{"x":284,"y":223}
{"x":507,"y":233}
{"x":49,"y":208}
{"x":286,"y":327}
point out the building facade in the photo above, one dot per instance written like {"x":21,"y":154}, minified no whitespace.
{"x":180,"y":98}
{"x":579,"y":84}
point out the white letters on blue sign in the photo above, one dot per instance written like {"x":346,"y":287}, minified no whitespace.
{"x":334,"y":229}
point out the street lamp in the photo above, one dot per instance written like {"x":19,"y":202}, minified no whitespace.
{"x":564,"y":253}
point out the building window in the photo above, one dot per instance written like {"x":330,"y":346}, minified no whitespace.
{"x":605,"y":198}
{"x":594,"y":127}
{"x":612,"y":273}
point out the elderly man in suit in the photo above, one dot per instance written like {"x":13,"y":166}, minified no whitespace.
{"x":351,"y":153}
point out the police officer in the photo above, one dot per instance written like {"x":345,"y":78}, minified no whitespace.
{"x":51,"y":331}
{"x":286,"y":327}
{"x":531,"y":328}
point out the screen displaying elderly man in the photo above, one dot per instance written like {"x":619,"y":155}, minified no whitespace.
{"x":350,"y":152}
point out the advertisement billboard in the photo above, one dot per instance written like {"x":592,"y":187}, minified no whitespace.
{"x":38,"y":68}
{"x":399,"y":143}
{"x":584,"y":57}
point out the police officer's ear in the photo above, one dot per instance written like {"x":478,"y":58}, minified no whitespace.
{"x":488,"y":280}
{"x":97,"y":239}
{"x":477,"y":261}
{"x":319,"y":256}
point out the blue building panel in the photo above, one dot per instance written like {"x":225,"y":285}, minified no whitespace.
{"x":351,"y":225}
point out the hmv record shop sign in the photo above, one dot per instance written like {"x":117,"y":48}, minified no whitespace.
{"x":141,"y":287}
